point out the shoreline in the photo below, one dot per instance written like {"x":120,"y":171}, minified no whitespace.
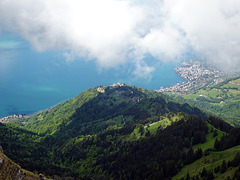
{"x":197,"y":75}
{"x":14,"y":117}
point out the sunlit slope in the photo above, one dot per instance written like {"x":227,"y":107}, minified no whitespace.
{"x":212,"y":162}
{"x":222,"y":100}
{"x":103,"y":106}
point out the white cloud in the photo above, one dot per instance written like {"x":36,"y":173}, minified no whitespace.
{"x":142,"y":70}
{"x":165,"y":44}
{"x":113,"y":32}
{"x":212,"y":29}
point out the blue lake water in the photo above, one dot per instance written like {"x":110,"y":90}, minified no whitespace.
{"x":31,"y":81}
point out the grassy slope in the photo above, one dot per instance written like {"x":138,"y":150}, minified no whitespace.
{"x":222,"y":99}
{"x":226,"y":93}
{"x":210,"y":161}
{"x":195,"y":167}
{"x":210,"y":140}
{"x":151,"y":127}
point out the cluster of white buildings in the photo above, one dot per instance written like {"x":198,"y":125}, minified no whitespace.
{"x":100,"y":89}
{"x":195,"y":71}
{"x":13,"y":118}
{"x":196,"y":76}
{"x":116,"y":85}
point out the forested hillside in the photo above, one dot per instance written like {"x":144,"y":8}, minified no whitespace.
{"x":120,"y":132}
{"x":115,"y":106}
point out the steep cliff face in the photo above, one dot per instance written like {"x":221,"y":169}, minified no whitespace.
{"x":11,"y":171}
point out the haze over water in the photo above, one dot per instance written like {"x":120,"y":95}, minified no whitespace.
{"x":31,"y":81}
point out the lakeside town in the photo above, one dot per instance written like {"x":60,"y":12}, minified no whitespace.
{"x":14,"y":117}
{"x":197,"y":75}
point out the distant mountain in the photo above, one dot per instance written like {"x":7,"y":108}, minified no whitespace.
{"x":116,"y":132}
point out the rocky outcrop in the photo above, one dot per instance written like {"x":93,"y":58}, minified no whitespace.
{"x":11,"y":171}
{"x":1,"y":162}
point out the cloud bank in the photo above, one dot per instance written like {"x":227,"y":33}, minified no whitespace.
{"x":114,"y":32}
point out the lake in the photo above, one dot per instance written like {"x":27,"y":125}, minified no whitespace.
{"x":31,"y":81}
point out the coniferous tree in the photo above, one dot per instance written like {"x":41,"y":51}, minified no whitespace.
{"x":223,"y":166}
{"x":197,"y":177}
{"x":188,"y":176}
{"x":237,"y":174}
{"x":210,"y":175}
{"x":190,"y":155}
{"x":217,"y":169}
{"x":236,"y":161}
{"x":204,"y":172}
{"x":217,"y":144}
{"x":198,"y":153}
{"x":215,"y":133}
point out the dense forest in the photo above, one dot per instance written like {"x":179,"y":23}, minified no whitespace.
{"x":121,"y":132}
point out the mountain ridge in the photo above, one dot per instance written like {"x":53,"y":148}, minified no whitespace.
{"x":126,"y":99}
{"x":103,"y":131}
